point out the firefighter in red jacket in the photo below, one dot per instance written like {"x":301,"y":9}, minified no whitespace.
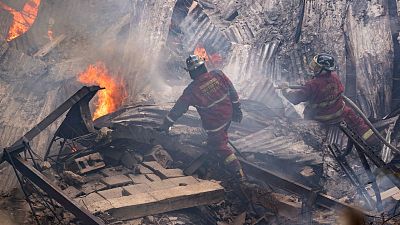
{"x":217,"y":102}
{"x":323,"y":94}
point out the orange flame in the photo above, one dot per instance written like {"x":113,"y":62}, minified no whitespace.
{"x":201,"y":52}
{"x":23,"y":20}
{"x":214,"y":59}
{"x":110,"y":99}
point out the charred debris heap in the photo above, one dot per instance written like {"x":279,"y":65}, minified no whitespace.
{"x":119,"y":170}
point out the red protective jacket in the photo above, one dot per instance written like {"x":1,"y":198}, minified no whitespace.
{"x":325,"y":104}
{"x":323,"y":95}
{"x":212,"y":94}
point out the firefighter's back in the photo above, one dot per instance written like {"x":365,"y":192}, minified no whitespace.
{"x":210,"y":92}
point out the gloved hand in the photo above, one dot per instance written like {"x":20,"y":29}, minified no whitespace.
{"x":237,"y":115}
{"x":283,"y":86}
{"x":164,"y":128}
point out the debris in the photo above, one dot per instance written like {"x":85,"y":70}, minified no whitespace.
{"x":45,"y":165}
{"x":152,"y":177}
{"x":111,"y":193}
{"x":155,"y":202}
{"x":159,"y":154}
{"x":90,"y":163}
{"x":114,"y":171}
{"x":72,"y":192}
{"x":50,"y":46}
{"x":92,"y":187}
{"x":130,"y":160}
{"x":139,"y":179}
{"x":72,"y":178}
{"x":162,"y":172}
{"x":144,"y":170}
{"x":115,"y":181}
{"x":307,"y":172}
{"x":240,"y":220}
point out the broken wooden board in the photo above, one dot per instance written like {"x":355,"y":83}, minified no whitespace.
{"x":160,"y":201}
{"x":50,"y":46}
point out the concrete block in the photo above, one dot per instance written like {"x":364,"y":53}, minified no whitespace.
{"x":92,"y":187}
{"x":170,"y":173}
{"x":161,"y":185}
{"x":111,"y":193}
{"x":115,"y":171}
{"x":153,"y":165}
{"x":144,"y":170}
{"x":116,"y":181}
{"x":139,"y":179}
{"x":184,"y":181}
{"x":72,"y":192}
{"x":162,"y":172}
{"x":90,"y":199}
{"x":155,"y":202}
{"x":136,"y":189}
{"x":153,"y":177}
{"x":89,"y":163}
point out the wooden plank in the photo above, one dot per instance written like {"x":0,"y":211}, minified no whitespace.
{"x":50,"y":46}
{"x":155,"y":202}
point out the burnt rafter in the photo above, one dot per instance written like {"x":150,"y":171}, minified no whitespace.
{"x":11,"y":154}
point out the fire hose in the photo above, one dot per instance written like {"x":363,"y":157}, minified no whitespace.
{"x":361,"y":113}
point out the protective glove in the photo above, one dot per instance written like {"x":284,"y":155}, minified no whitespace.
{"x":164,"y":128}
{"x":283,"y":86}
{"x":237,"y":115}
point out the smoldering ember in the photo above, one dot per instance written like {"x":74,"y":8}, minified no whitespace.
{"x":136,"y":112}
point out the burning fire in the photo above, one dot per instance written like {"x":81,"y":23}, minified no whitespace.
{"x":215,"y":59}
{"x":110,"y":99}
{"x":23,"y":20}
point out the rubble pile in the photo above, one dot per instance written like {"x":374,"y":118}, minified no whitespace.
{"x":125,"y":172}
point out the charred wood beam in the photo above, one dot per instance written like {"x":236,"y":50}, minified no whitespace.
{"x":11,"y":155}
{"x":395,"y":28}
{"x":294,"y":187}
{"x":85,"y":92}
{"x":344,"y":165}
{"x":43,"y":183}
{"x":368,"y":151}
{"x":297,"y":34}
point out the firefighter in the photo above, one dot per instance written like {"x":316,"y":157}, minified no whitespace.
{"x":217,"y":102}
{"x":323,"y":94}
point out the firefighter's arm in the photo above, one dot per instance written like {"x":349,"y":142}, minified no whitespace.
{"x":296,"y":96}
{"x":181,"y":107}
